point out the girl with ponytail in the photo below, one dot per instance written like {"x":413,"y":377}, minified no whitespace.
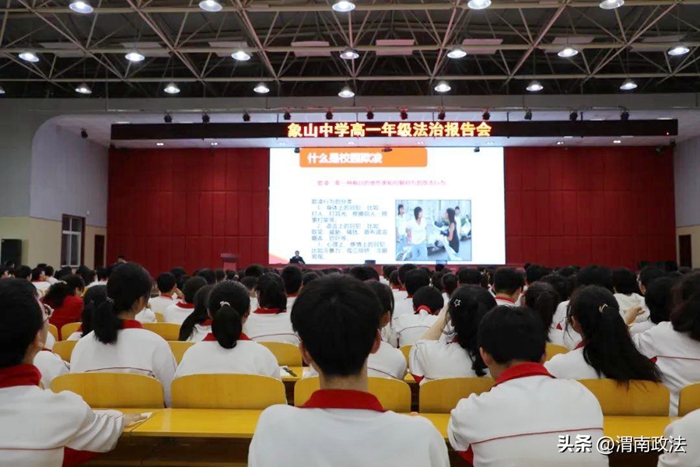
{"x":543,"y":299}
{"x":118,"y":343}
{"x":607,"y":350}
{"x":93,"y":298}
{"x":226,"y":349}
{"x":198,"y":323}
{"x":271,"y":322}
{"x":449,"y":348}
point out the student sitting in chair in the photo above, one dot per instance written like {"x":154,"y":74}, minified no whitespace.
{"x":427,"y":303}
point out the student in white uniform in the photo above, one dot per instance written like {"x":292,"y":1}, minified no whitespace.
{"x":521,"y":419}
{"x":658,"y":300}
{"x":198,"y":324}
{"x":427,"y":304}
{"x":387,"y":361}
{"x":607,"y":350}
{"x":50,"y":271}
{"x":386,"y":274}
{"x":39,"y":281}
{"x":625,"y":287}
{"x":543,"y":298}
{"x":675,"y":345}
{"x":470,"y":276}
{"x":226,"y":349}
{"x":337,"y":319}
{"x":449,"y":349}
{"x":414,"y":280}
{"x":687,"y":428}
{"x":102,"y":277}
{"x":178,"y":312}
{"x":40,"y":427}
{"x":508,"y":284}
{"x":167,"y":286}
{"x":292,"y":278}
{"x":647,"y":275}
{"x":270,"y":322}
{"x":118,"y":343}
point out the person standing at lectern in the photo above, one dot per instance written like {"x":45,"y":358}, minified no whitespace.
{"x":296,"y":259}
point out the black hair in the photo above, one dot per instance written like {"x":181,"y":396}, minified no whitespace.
{"x":467,"y":306}
{"x":270,"y":289}
{"x":249,"y":282}
{"x":23,"y":272}
{"x":191,"y":287}
{"x":385,"y":296}
{"x":127,"y":284}
{"x":415,"y":279}
{"x":219,"y":274}
{"x":254,"y":270}
{"x":543,"y":299}
{"x":436,"y":281}
{"x":36,"y":273}
{"x":417,"y":210}
{"x":451,"y":217}
{"x":469,"y":276}
{"x":535,"y":272}
{"x":120,"y":257}
{"x":229,"y":303}
{"x":563,"y":285}
{"x":199,"y":314}
{"x":394,"y":279}
{"x":230,"y":275}
{"x":103,"y":274}
{"x":182,"y":280}
{"x":686,"y":317}
{"x":403,"y":270}
{"x":399,"y":208}
{"x":624,"y":281}
{"x":166,"y":282}
{"x":659,"y":299}
{"x":508,"y":280}
{"x":512,"y":333}
{"x":430,"y":297}
{"x":58,"y":292}
{"x":568,"y":271}
{"x":308,"y":277}
{"x":370,"y":273}
{"x":178,"y":272}
{"x":649,"y":274}
{"x":387,"y":270}
{"x":595,"y":275}
{"x":21,"y":318}
{"x":292,"y":278}
{"x":450,"y":283}
{"x":86,"y":273}
{"x":208,"y":275}
{"x":337,"y":320}
{"x":49,"y":270}
{"x":608,"y":346}
{"x":93,"y":298}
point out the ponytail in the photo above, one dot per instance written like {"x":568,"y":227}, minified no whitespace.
{"x":93,"y":298}
{"x":227,"y":326}
{"x":105,"y":323}
{"x":543,"y":299}
{"x":228,"y":304}
{"x":198,"y":315}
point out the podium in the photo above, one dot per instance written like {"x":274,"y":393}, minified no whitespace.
{"x":230,"y":261}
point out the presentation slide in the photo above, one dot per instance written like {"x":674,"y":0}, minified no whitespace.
{"x":391,"y":205}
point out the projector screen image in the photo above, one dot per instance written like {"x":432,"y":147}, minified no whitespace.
{"x":390,"y":205}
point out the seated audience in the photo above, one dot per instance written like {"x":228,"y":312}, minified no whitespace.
{"x":544,"y":299}
{"x":521,"y":420}
{"x":387,"y":361}
{"x":624,"y":284}
{"x":292,"y":277}
{"x":386,"y":274}
{"x":687,"y":429}
{"x":427,"y":304}
{"x":270,"y":322}
{"x":24,"y":272}
{"x":308,"y":277}
{"x":167,"y":286}
{"x":337,"y":319}
{"x":450,"y":282}
{"x":400,"y":293}
{"x":508,"y":284}
{"x":198,"y":324}
{"x":93,"y":298}
{"x":40,"y":281}
{"x":50,"y":271}
{"x":647,"y":275}
{"x":469,"y":276}
{"x":220,"y":275}
{"x":178,"y":312}
{"x":208,"y":275}
{"x":387,"y":328}
{"x":658,"y":300}
{"x":413,"y":280}
{"x":102,"y":277}
{"x":64,"y":298}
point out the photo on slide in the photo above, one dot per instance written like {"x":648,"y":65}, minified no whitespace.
{"x":429,"y":230}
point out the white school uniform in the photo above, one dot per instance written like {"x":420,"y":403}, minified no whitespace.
{"x":642,"y":326}
{"x":200,"y":331}
{"x":51,"y":366}
{"x":290,"y":301}
{"x":519,"y":421}
{"x":344,"y":428}
{"x":137,"y":350}
{"x":41,"y":286}
{"x":76,"y":336}
{"x":504,"y":301}
{"x":440,"y":359}
{"x":265,"y":325}
{"x":95,"y":283}
{"x":399,"y":294}
{"x":402,"y":307}
{"x":146,"y":316}
{"x":559,"y":332}
{"x":571,"y":365}
{"x":51,"y":280}
{"x":687,"y":428}
{"x":42,"y":428}
{"x":50,"y":341}
{"x":178,"y":312}
{"x":246,"y":358}
{"x":625,"y":302}
{"x":389,"y":335}
{"x":387,"y":362}
{"x":676,"y":355}
{"x":161,"y":303}
{"x":410,"y":328}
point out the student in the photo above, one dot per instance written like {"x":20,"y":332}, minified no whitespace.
{"x":118,"y":343}
{"x":449,"y":348}
{"x":102,"y":277}
{"x":220,"y":275}
{"x":40,"y":281}
{"x":64,"y":298}
{"x":561,"y":284}
{"x":417,"y":235}
{"x":658,"y":300}
{"x":337,"y":319}
{"x":675,"y":344}
{"x":49,"y":271}
{"x":5,"y":272}
{"x":208,"y":275}
{"x":414,"y":280}
{"x":292,"y":278}
{"x":24,"y":272}
{"x":469,"y":276}
{"x":607,"y":350}
{"x":394,"y":282}
{"x":400,"y":293}
{"x":688,"y":430}
{"x":522,"y":418}
{"x":40,"y":427}
{"x":647,"y":275}
{"x":93,"y":298}
{"x":427,"y":304}
{"x":198,"y":324}
{"x":86,"y":273}
{"x":508,"y":285}
{"x":308,"y":277}
{"x":543,"y":300}
{"x":625,"y":287}
{"x":450,"y":282}
{"x":270,"y":322}
{"x":387,"y":361}
{"x":167,"y":286}
{"x":178,"y":312}
{"x":226,"y":349}
{"x":386,"y":274}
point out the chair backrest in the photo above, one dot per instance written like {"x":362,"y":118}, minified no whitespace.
{"x":640,"y":398}
{"x":179,"y":348}
{"x":689,"y":399}
{"x":64,"y":349}
{"x":68,"y":329}
{"x":113,"y":390}
{"x":168,"y":331}
{"x":554,"y":349}
{"x":406,"y":350}
{"x":227,"y":391}
{"x":53,"y":330}
{"x":159,"y":317}
{"x":287,"y":354}
{"x":393,"y":394}
{"x":442,"y":395}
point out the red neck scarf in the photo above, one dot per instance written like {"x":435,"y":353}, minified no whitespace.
{"x":343,"y":399}
{"x":425,"y":308}
{"x":185,"y":305}
{"x":206,"y":322}
{"x":522,"y":370}
{"x":210,"y":338}
{"x":268,"y":311}
{"x":19,"y":375}
{"x":131,"y":324}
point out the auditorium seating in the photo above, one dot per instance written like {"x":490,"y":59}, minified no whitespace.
{"x":640,"y":398}
{"x":179,"y":349}
{"x":442,"y":395}
{"x":689,"y":399}
{"x":64,"y":349}
{"x":68,"y":329}
{"x":553,"y":349}
{"x":287,"y":354}
{"x":393,"y":394}
{"x":54,"y":331}
{"x":159,"y":317}
{"x":406,"y":350}
{"x":168,"y":331}
{"x":227,"y":391}
{"x":113,"y":390}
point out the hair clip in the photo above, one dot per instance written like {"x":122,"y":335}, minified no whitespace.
{"x":457,"y":302}
{"x":602,"y":307}
{"x":224,"y":303}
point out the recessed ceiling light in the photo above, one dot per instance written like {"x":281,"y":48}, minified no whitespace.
{"x":535,"y":86}
{"x":617,"y":141}
{"x":134,"y":56}
{"x":349,"y":54}
{"x":261,"y":88}
{"x":628,"y":85}
{"x":490,"y":143}
{"x":680,"y":49}
{"x":81,"y":7}
{"x":479,"y":4}
{"x":420,"y":142}
{"x":212,"y":6}
{"x":343,"y":6}
{"x":346,"y":92}
{"x":567,"y":52}
{"x":29,"y":57}
{"x":83,"y":88}
{"x":611,"y":4}
{"x":172,"y":88}
{"x":443,"y":86}
{"x":559,"y":143}
{"x":241,"y":55}
{"x":160,"y":144}
{"x":457,"y":53}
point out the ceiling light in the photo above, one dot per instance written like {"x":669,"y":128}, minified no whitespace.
{"x":246,"y":116}
{"x":346,"y":93}
{"x":206,"y":118}
{"x":241,"y":55}
{"x":343,"y":6}
{"x":486,"y":115}
{"x":167,"y":118}
{"x":628,"y":85}
{"x":83,"y":88}
{"x":573,"y":116}
{"x":617,"y":141}
{"x":457,"y":53}
{"x":349,"y":54}
{"x":81,"y":7}
{"x":624,"y":115}
{"x":479,"y":4}
{"x":611,"y":4}
{"x":528,"y":114}
{"x":29,"y":57}
{"x":567,"y":52}
{"x":134,"y":56}
{"x":442,"y":86}
{"x":214,"y":143}
{"x":160,"y":144}
{"x":261,"y":88}
{"x":680,"y":49}
{"x":370,"y":115}
{"x":441,"y":115}
{"x":287,"y":115}
{"x":212,"y":6}
{"x":2,"y":90}
{"x":535,"y":86}
{"x":171,"y":88}
{"x":329,"y":115}
{"x":403,"y":114}
{"x":559,"y":143}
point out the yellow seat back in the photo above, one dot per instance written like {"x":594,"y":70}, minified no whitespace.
{"x":640,"y":398}
{"x":689,"y":399}
{"x":68,"y":329}
{"x":64,"y":349}
{"x":168,"y":331}
{"x":227,"y":391}
{"x":393,"y":394}
{"x":110,"y":390}
{"x":554,"y":349}
{"x":286,"y":354}
{"x":406,"y":351}
{"x":159,"y":317}
{"x":53,"y":330}
{"x":442,"y":395}
{"x":179,"y":348}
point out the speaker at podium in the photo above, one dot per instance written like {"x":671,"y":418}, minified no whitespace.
{"x":230,"y":261}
